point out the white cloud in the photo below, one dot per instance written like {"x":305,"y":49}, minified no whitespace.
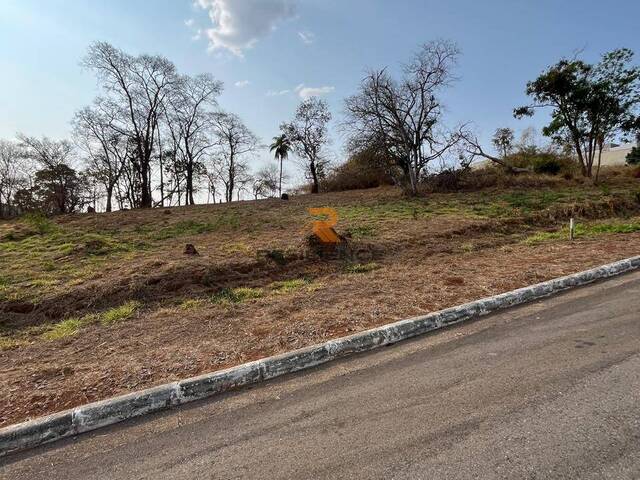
{"x":242,"y":83}
{"x":274,"y":93}
{"x":306,"y":92}
{"x":239,"y":24}
{"x":191,"y":25}
{"x":307,"y":37}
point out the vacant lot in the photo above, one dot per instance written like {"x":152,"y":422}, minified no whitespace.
{"x":96,"y":305}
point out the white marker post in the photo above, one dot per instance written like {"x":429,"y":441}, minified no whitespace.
{"x":572,"y":227}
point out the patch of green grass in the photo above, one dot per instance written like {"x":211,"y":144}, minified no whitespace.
{"x":403,"y":209}
{"x":48,"y":266}
{"x":72,"y":326}
{"x":361,"y":232}
{"x":7,"y":343}
{"x":585,"y":230}
{"x":237,"y":248}
{"x":287,"y":286}
{"x":605,"y":189}
{"x":118,"y":314}
{"x":43,"y":282}
{"x":236,"y":295}
{"x":184,"y":228}
{"x":543,"y":237}
{"x":515,"y":203}
{"x":361,"y":267}
{"x":193,"y":227}
{"x":467,"y":247}
{"x":66,"y":328}
{"x":192,"y":304}
{"x":39,"y":222}
{"x":94,"y":244}
{"x":632,"y":227}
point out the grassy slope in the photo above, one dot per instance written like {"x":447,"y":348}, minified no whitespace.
{"x":117,"y":287}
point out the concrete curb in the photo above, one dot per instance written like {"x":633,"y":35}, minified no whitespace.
{"x":107,"y":412}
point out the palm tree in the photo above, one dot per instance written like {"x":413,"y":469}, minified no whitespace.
{"x":281,"y":147}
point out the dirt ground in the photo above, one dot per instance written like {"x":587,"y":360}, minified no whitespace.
{"x":230,"y":305}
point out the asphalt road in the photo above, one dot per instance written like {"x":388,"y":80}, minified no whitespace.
{"x":548,"y":390}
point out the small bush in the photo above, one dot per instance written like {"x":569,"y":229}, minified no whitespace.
{"x":547,"y":165}
{"x":276,"y":256}
{"x":366,"y":169}
{"x":448,"y":180}
{"x":633,"y":157}
{"x":39,"y":222}
{"x":544,"y":162}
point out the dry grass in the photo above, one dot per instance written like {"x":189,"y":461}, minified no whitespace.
{"x":96,"y":305}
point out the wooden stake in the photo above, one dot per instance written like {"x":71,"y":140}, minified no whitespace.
{"x":572,"y":227}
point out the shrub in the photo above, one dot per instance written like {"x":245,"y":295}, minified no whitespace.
{"x":39,"y":222}
{"x":633,"y":157}
{"x":366,"y":169}
{"x":547,"y":165}
{"x":448,"y":180}
{"x":544,"y":162}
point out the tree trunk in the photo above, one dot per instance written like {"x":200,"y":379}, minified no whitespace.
{"x":189,"y":191}
{"x":413,"y":176}
{"x":280,"y":182}
{"x":109,"y":195}
{"x":315,"y":188}
{"x":231,"y":184}
{"x":601,"y":145}
{"x":145,"y":195}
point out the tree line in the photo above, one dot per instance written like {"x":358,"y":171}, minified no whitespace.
{"x":155,"y":137}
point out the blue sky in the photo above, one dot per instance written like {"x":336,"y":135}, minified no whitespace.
{"x":278,"y":45}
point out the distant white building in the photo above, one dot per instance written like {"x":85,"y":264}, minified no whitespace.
{"x":613,"y":154}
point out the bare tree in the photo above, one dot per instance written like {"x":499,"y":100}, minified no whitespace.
{"x":266,"y":182}
{"x":233,"y":141}
{"x":403,"y":117}
{"x":137,"y":88}
{"x":308,"y":135}
{"x":471,"y":146}
{"x":106,"y":148}
{"x":190,"y":119}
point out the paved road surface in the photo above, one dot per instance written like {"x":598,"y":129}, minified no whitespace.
{"x":548,"y":390}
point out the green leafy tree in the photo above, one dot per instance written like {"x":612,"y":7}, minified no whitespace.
{"x":590,"y":103}
{"x":280,"y":147}
{"x":633,"y":157}
{"x":503,"y":141}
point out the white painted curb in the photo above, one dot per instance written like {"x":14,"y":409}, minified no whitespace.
{"x":113,"y":410}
